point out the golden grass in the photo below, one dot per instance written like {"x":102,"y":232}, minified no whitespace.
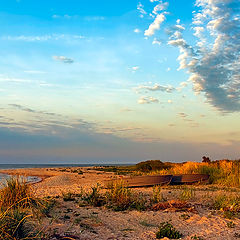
{"x":223,"y":172}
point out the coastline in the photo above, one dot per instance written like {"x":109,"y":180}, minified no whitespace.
{"x":89,"y":223}
{"x":55,"y":181}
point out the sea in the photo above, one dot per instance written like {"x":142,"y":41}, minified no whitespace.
{"x":34,"y":179}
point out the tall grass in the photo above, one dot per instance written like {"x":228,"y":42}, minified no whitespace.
{"x":17,"y":206}
{"x":223,"y":172}
{"x":15,"y":193}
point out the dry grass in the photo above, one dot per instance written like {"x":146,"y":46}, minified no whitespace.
{"x":19,"y":211}
{"x":223,"y":172}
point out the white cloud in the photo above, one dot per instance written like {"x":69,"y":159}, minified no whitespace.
{"x":42,"y":38}
{"x":141,"y":10}
{"x":156,"y":41}
{"x":156,"y":87}
{"x":155,"y":25}
{"x":214,"y":66}
{"x":160,"y":7}
{"x":63,"y":59}
{"x":147,"y":100}
{"x":136,"y":30}
{"x":135,"y":68}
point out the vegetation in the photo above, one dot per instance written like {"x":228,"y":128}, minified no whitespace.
{"x":222,"y":172}
{"x":151,"y":165}
{"x":166,"y":229}
{"x":17,"y":207}
{"x":20,"y":211}
{"x":15,"y":193}
{"x":187,"y":194}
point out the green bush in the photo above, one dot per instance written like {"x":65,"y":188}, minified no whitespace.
{"x":167,"y":230}
{"x":151,"y":165}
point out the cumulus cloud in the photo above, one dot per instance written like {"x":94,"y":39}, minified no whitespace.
{"x":155,"y":25}
{"x":147,"y":100}
{"x":63,"y":59}
{"x":158,"y":14}
{"x":156,"y":87}
{"x":213,"y":63}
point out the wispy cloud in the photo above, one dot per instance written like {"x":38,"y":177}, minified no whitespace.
{"x":63,"y":59}
{"x":147,"y":100}
{"x":42,"y":38}
{"x":141,"y":10}
{"x":156,"y":87}
{"x":135,"y":68}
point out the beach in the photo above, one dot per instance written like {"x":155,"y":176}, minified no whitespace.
{"x":70,"y":219}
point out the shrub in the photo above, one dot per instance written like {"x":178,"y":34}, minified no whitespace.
{"x":195,"y":237}
{"x":151,"y":165}
{"x":166,"y":229}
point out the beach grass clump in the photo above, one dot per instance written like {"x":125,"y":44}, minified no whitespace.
{"x":15,"y":193}
{"x":187,"y":194}
{"x":157,"y":195}
{"x":119,"y":198}
{"x":68,"y":196}
{"x":94,"y":197}
{"x":166,"y":229}
{"x":228,"y":204}
{"x":17,"y":209}
{"x":15,"y":224}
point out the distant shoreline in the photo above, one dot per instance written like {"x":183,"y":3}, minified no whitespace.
{"x":30,"y":165}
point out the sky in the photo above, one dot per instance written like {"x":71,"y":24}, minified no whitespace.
{"x":119,"y":81}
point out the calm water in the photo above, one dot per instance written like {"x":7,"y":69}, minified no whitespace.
{"x":3,"y":177}
{"x":36,"y":179}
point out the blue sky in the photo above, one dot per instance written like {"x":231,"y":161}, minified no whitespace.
{"x":107,"y":81}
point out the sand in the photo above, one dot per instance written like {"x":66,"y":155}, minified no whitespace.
{"x":88,"y":223}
